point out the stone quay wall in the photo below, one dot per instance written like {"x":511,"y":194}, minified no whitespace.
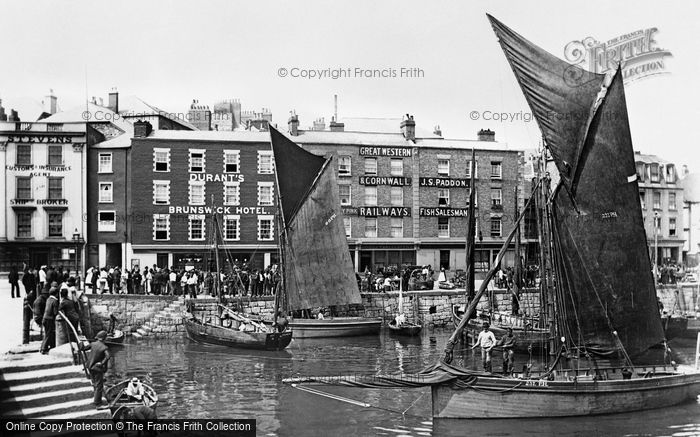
{"x":131,"y":310}
{"x":679,"y":298}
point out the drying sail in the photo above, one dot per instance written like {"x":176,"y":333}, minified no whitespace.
{"x":318,"y":270}
{"x":603,"y":269}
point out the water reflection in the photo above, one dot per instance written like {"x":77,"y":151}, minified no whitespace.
{"x":202,"y":381}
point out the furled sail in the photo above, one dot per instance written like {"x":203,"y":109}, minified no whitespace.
{"x":604,"y":276}
{"x":318,"y":270}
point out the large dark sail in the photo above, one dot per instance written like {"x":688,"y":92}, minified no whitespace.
{"x":604,"y":276}
{"x":318,"y":270}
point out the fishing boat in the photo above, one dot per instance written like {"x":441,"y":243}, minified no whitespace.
{"x":316,"y":267}
{"x":115,"y":338}
{"x":527,"y":338}
{"x":119,"y":401}
{"x":228,"y":327}
{"x":406,"y":328}
{"x":604,"y":319}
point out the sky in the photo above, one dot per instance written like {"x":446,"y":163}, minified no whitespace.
{"x":171,"y":52}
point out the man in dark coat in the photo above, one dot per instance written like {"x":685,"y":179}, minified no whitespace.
{"x":97,"y":364}
{"x":39,"y":307}
{"x":29,"y":280}
{"x":13,"y":279}
{"x":50,"y":313}
{"x":27,"y":313}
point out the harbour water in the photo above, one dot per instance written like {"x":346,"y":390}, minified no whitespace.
{"x":202,"y":381}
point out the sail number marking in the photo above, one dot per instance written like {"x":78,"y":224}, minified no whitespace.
{"x":330,"y":219}
{"x":537,"y":383}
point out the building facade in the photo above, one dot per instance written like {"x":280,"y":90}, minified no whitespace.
{"x":44,"y":195}
{"x":661,"y":196}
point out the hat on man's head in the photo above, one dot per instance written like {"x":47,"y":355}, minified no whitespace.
{"x":101,"y":335}
{"x":486,"y":324}
{"x":134,"y":379}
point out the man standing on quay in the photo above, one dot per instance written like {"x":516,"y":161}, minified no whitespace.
{"x":97,"y":363}
{"x":486,"y":341}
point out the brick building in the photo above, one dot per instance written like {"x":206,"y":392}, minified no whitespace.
{"x":661,"y":196}
{"x":44,"y":194}
{"x":179,"y":178}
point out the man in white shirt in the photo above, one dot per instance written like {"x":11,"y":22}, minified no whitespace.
{"x":486,"y":341}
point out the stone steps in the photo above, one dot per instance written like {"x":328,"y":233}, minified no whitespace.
{"x":163,"y":322}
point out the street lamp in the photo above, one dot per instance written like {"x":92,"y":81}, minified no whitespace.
{"x":76,"y":240}
{"x":656,"y":245}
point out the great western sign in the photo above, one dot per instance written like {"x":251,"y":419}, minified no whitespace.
{"x":390,"y":211}
{"x":443,"y":182}
{"x":384,"y":180}
{"x":398,"y":152}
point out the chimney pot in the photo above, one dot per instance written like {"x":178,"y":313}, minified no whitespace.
{"x":486,"y":135}
{"x":113,"y":100}
{"x":408,"y":128}
{"x":142,"y":129}
{"x":293,"y":124}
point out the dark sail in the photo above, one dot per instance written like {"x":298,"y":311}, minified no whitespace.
{"x":560,"y":95}
{"x":603,"y":267}
{"x":318,"y":270}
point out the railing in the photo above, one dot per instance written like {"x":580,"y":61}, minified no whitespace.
{"x":79,"y":354}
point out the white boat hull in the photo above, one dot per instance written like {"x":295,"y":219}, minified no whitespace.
{"x":335,"y":327}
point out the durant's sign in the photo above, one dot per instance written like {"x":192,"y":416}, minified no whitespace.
{"x":398,"y":152}
{"x":444,"y":182}
{"x":382,"y":180}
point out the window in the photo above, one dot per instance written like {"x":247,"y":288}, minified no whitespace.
{"x":370,"y":227}
{"x":396,"y":167}
{"x":161,"y":192}
{"x":443,"y":227}
{"x":106,"y":221}
{"x":24,"y":224}
{"x":444,"y":197}
{"x":496,"y":197}
{"x":265,"y":165}
{"x":344,"y":165}
{"x":472,"y":168}
{"x":495,"y":226}
{"x":232,"y":193}
{"x":396,"y":196}
{"x":443,"y":167}
{"x":670,"y":174}
{"x":55,"y":155}
{"x":265,"y":193}
{"x":161,"y":160}
{"x":197,"y":161}
{"x":641,"y":171}
{"x":345,"y":192}
{"x":104,"y":164}
{"x":672,"y":201}
{"x":654,"y":170}
{"x":265,"y":228}
{"x":24,"y":154}
{"x":371,"y":166}
{"x":232,"y":161}
{"x":55,"y":224}
{"x":643,"y":199}
{"x":24,"y":188}
{"x":396,"y":227}
{"x":106,"y":192}
{"x":161,"y":226}
{"x":657,"y":200}
{"x":55,"y":188}
{"x":347,"y":223}
{"x":495,"y":170}
{"x":232,"y":227}
{"x":197,"y":193}
{"x":672,"y":227}
{"x":370,"y":196}
{"x":196,"y":227}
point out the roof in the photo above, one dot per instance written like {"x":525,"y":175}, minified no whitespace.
{"x":332,"y":138}
{"x":381,"y":125}
{"x":134,"y":107}
{"x":649,"y":159}
{"x":27,"y":108}
{"x":95,"y":112}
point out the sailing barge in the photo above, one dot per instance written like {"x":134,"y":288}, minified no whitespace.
{"x":316,"y":267}
{"x":603,"y":316}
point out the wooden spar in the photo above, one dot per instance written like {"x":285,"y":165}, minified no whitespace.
{"x":482,"y":288}
{"x":697,"y":352}
{"x":471,"y":222}
{"x":401,"y":296}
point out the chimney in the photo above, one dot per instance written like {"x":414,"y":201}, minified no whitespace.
{"x":113,"y":103}
{"x":320,"y":124}
{"x":335,"y":126}
{"x":142,"y":129}
{"x":3,"y":116}
{"x":408,"y":128}
{"x":293,"y":124}
{"x":50,"y":103}
{"x":14,"y":116}
{"x":486,"y":135}
{"x":437,"y":131}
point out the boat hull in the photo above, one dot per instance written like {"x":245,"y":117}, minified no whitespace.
{"x":407,"y":330}
{"x":335,"y":327}
{"x":491,"y":397}
{"x":208,"y":333}
{"x":115,"y":338}
{"x":525,"y":339}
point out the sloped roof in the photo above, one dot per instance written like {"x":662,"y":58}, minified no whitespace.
{"x":649,"y":159}
{"x":134,"y":107}
{"x":381,"y":125}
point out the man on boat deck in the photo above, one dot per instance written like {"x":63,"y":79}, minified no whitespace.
{"x":508,"y":343}
{"x":281,"y":322}
{"x":135,"y":389}
{"x":487,"y":341}
{"x":97,"y":363}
